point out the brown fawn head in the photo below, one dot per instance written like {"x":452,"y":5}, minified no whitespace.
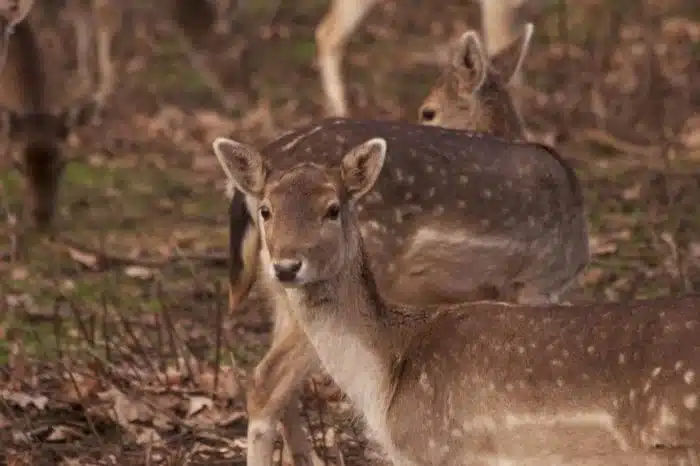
{"x":472,"y":92}
{"x":307,"y":228}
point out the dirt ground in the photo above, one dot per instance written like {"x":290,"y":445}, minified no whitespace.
{"x":115,"y":343}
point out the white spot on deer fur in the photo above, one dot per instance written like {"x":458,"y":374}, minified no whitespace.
{"x":560,"y":382}
{"x":679,"y":365}
{"x":457,"y":433}
{"x":600,"y":419}
{"x":429,"y":168}
{"x":487,"y":194}
{"x":374,"y":197}
{"x":621,"y":358}
{"x":432,"y":235}
{"x":633,"y":394}
{"x":590,"y":349}
{"x":408,"y":196}
{"x":691,"y":401}
{"x":298,"y":139}
{"x":689,"y":377}
{"x":424,"y":382}
{"x":666,"y":416}
{"x":430,"y":193}
{"x":463,"y":179}
{"x":461,"y":204}
{"x":647,"y":387}
{"x":652,"y":404}
{"x":656,"y":371}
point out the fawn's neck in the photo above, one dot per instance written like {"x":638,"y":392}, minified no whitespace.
{"x":347,"y":322}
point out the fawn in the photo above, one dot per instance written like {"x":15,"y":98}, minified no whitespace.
{"x":473,"y":94}
{"x":471,"y":383}
{"x":455,"y":216}
{"x":35,"y":130}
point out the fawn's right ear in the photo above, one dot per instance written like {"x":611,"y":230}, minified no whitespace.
{"x":509,"y":61}
{"x":242,"y":164}
{"x":361,"y":167}
{"x":470,"y":60}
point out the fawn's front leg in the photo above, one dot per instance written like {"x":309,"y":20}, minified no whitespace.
{"x":273,"y":395}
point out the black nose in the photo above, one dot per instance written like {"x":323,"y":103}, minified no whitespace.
{"x":286,"y":270}
{"x":427,"y":114}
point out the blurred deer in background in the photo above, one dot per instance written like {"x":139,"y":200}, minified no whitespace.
{"x":456,"y":216}
{"x":472,"y":93}
{"x":35,"y":132}
{"x":501,"y":22}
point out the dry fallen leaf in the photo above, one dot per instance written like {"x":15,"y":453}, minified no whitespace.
{"x":90,"y":261}
{"x":197,"y":404}
{"x":136,"y":271}
{"x":23,"y":400}
{"x":228,"y":386}
{"x":126,"y":410}
{"x":76,"y":387}
{"x":148,"y":436}
{"x":63,"y":434}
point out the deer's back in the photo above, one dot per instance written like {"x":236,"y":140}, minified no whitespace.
{"x":448,"y":190}
{"x":555,"y":376}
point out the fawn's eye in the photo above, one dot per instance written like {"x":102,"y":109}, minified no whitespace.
{"x":265,"y":212}
{"x":332,"y":212}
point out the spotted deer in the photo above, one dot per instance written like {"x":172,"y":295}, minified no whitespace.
{"x":455,"y":216}
{"x":472,"y":92}
{"x":480,"y":383}
{"x":35,"y":131}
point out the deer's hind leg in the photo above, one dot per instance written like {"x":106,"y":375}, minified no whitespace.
{"x":273,"y":396}
{"x":332,"y":33}
{"x":107,"y":16}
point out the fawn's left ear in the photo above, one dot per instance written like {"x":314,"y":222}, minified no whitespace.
{"x":470,"y":61}
{"x":242,"y":164}
{"x":361,"y":167}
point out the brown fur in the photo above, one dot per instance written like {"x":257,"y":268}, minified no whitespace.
{"x":471,"y":383}
{"x":432,"y":235}
{"x":472,"y":92}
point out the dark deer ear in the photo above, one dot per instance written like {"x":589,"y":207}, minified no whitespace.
{"x":509,"y":61}
{"x":470,"y":61}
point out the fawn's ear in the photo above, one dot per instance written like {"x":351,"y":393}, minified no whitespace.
{"x":470,"y":61}
{"x":361,"y":166}
{"x":509,"y":61}
{"x":242,"y":164}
